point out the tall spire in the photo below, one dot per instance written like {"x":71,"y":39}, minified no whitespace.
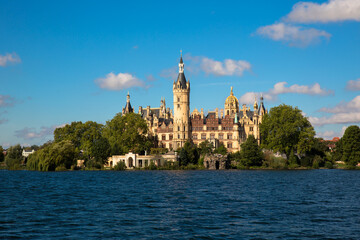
{"x":181,"y":60}
{"x":231,"y":92}
{"x":181,"y":64}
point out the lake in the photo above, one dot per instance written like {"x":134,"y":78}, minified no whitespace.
{"x":300,"y":204}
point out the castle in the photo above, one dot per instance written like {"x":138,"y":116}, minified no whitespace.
{"x":231,"y":127}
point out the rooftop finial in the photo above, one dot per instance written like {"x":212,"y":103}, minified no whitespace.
{"x":181,"y":60}
{"x":231,"y":91}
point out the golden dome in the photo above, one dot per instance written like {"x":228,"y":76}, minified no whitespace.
{"x":231,"y":99}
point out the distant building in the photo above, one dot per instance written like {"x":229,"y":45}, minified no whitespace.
{"x":133,"y":160}
{"x":26,"y":153}
{"x":231,"y":127}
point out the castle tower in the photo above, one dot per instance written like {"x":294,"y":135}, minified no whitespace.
{"x":127,"y":108}
{"x":231,"y":105}
{"x":181,"y":92}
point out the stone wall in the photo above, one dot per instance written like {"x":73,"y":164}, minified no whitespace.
{"x":216,"y":161}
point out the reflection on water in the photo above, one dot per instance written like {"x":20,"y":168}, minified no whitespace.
{"x":180,"y":204}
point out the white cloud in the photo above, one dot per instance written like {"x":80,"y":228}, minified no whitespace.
{"x":170,"y":73}
{"x":9,"y":58}
{"x":353,"y":85}
{"x":228,"y":67}
{"x":344,"y":112}
{"x":293,"y":35}
{"x":329,"y":135}
{"x":344,"y":107}
{"x":280,"y":88}
{"x":331,"y":11}
{"x":119,"y":82}
{"x":338,"y":118}
{"x":31,"y":133}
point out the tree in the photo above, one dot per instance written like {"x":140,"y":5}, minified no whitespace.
{"x":205,"y":147}
{"x":128,"y":132}
{"x":189,"y":154}
{"x":221,"y":149}
{"x":351,"y":145}
{"x":285,"y":129}
{"x":87,"y":138}
{"x":48,"y":158}
{"x":251,"y":154}
{"x":2,"y":157}
{"x":14,"y":157}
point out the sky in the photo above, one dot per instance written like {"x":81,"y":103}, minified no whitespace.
{"x":65,"y":61}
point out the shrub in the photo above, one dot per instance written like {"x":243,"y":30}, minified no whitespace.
{"x":329,"y":165}
{"x":13,"y":164}
{"x":60,"y":168}
{"x":120,"y":166}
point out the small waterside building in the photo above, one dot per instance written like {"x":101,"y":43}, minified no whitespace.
{"x":133,"y":160}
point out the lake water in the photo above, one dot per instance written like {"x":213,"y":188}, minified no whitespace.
{"x":309,"y":204}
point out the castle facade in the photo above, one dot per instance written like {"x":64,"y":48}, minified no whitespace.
{"x":231,"y":127}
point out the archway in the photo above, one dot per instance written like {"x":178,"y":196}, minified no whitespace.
{"x":217,"y":165}
{"x":130,"y":162}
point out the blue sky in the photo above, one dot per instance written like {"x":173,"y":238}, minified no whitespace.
{"x":64,"y":61}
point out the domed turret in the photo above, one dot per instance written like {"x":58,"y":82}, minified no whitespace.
{"x":231,"y":104}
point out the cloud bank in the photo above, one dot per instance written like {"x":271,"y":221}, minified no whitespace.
{"x":307,"y":13}
{"x":353,"y":85}
{"x":344,"y":112}
{"x":331,"y":11}
{"x":281,"y":88}
{"x":293,"y":35}
{"x":31,"y":133}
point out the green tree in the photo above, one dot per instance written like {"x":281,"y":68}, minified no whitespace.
{"x":189,"y":154}
{"x":351,"y":145}
{"x":221,"y":149}
{"x":338,"y":151}
{"x":14,"y":157}
{"x":126,"y":133}
{"x":2,"y":157}
{"x":88,"y":139}
{"x":51,"y":156}
{"x":285,"y":129}
{"x":251,"y":154}
{"x":205,"y":147}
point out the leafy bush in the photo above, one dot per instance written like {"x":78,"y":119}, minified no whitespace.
{"x":13,"y":164}
{"x":120,"y":166}
{"x":329,"y":165}
{"x":60,"y":169}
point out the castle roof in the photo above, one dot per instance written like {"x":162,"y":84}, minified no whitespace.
{"x":231,"y":98}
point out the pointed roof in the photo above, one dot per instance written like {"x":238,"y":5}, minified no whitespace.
{"x":181,"y":77}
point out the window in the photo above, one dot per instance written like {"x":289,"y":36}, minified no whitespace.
{"x":229,"y":136}
{"x":212,"y":136}
{"x":229,"y":145}
{"x":251,"y":129}
{"x":203,"y":136}
{"x":178,"y":105}
{"x":170,"y":146}
{"x":170,"y":137}
{"x":178,"y":136}
{"x":178,"y":99}
{"x":163,"y":137}
{"x":184,"y":128}
{"x":178,"y":128}
{"x":221,"y":136}
{"x":194,"y":136}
